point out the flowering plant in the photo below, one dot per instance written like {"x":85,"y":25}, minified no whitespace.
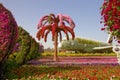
{"x":8,"y":35}
{"x":8,"y":31}
{"x":111,"y":17}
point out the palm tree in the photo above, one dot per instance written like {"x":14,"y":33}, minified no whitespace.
{"x":55,"y":24}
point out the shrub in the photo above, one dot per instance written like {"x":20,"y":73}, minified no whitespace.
{"x":34,"y":50}
{"x":25,"y":43}
{"x":27,"y":49}
{"x":8,"y":36}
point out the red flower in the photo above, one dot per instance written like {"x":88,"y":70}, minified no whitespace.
{"x":114,"y":11}
{"x":102,"y":29}
{"x":116,"y":26}
{"x":119,"y":13}
{"x":118,"y":42}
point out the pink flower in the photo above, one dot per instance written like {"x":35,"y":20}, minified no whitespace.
{"x":66,"y":18}
{"x":8,"y":32}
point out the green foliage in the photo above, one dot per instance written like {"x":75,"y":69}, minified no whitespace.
{"x":69,"y":54}
{"x":27,"y":50}
{"x":34,"y":50}
{"x":82,"y":45}
{"x":10,"y":65}
{"x":25,"y":45}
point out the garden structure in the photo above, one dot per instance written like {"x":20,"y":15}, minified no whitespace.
{"x":55,"y":24}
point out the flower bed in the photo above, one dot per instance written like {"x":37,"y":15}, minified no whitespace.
{"x":81,"y":72}
{"x":74,"y":60}
{"x":68,"y":68}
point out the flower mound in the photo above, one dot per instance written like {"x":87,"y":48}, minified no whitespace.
{"x":8,"y":32}
{"x":111,"y":17}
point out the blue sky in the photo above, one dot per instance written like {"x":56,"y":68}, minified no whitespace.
{"x":85,"y":13}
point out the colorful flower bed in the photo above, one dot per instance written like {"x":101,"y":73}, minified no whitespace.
{"x":81,"y":72}
{"x":74,"y":60}
{"x":46,"y":69}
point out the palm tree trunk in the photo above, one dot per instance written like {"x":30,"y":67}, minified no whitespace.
{"x":55,"y":58}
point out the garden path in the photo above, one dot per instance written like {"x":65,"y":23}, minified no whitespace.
{"x":74,"y":61}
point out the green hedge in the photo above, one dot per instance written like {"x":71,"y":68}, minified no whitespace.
{"x":34,"y":50}
{"x":25,"y":45}
{"x":28,"y":48}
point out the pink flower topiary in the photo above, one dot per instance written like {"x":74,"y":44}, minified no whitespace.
{"x":8,"y":35}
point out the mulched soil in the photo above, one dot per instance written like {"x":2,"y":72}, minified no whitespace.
{"x":74,"y":61}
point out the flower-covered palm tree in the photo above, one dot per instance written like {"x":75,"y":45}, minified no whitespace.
{"x":8,"y":35}
{"x":55,"y":24}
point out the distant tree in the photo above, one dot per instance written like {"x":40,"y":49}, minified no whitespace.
{"x":8,"y":36}
{"x":71,"y":45}
{"x":55,"y":24}
{"x":82,"y":45}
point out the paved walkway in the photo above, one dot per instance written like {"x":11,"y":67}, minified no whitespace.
{"x":74,"y":61}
